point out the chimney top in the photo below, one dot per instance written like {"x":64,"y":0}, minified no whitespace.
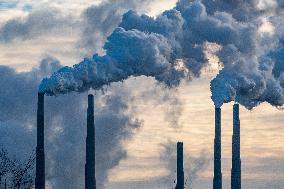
{"x":40,"y":94}
{"x":236,"y":105}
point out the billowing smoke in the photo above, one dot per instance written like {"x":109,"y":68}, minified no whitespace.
{"x":65,"y":120}
{"x":146,"y":54}
{"x":252,"y":72}
{"x":100,"y":20}
{"x":168,"y":48}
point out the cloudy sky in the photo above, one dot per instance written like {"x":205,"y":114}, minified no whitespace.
{"x":139,"y":120}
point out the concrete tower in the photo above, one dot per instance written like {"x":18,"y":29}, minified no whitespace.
{"x":236,"y":158}
{"x":180,"y":172}
{"x":40,"y":160}
{"x":90,"y":180}
{"x":217,"y":180}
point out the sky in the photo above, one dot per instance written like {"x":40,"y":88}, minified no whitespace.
{"x":138,"y":120}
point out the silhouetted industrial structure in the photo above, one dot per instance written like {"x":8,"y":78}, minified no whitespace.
{"x":180,"y":172}
{"x":90,"y":177}
{"x":236,"y":157}
{"x":90,"y":180}
{"x":40,"y":159}
{"x":217,"y":180}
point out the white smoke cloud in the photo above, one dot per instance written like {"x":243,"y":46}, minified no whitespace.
{"x":153,"y":48}
{"x":147,"y":54}
{"x":99,"y":21}
{"x":251,"y":77}
{"x":156,"y":45}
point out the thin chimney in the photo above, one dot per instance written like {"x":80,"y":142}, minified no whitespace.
{"x":236,"y":157}
{"x":90,"y":180}
{"x":180,"y":172}
{"x":217,"y":180}
{"x":40,"y":159}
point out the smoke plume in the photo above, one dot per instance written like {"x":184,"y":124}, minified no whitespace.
{"x":65,"y":120}
{"x":100,"y":20}
{"x":170,"y":48}
{"x":252,"y":65}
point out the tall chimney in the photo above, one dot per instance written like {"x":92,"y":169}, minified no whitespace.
{"x":217,"y":180}
{"x":40,"y":160}
{"x":90,"y":180}
{"x":180,"y":172}
{"x":236,"y":158}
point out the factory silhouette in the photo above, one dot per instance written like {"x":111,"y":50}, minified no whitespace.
{"x":90,"y":175}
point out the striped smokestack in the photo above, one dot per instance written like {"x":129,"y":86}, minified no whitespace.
{"x":180,"y":172}
{"x":217,"y":180}
{"x":236,"y":157}
{"x":90,"y":180}
{"x":40,"y":160}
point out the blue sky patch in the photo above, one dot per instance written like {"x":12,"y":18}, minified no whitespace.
{"x":8,"y":4}
{"x":27,"y":8}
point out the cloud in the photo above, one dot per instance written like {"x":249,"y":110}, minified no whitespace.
{"x":38,"y":23}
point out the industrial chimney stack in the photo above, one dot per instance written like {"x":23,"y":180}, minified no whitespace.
{"x":180,"y":172}
{"x":40,"y":160}
{"x":90,"y":180}
{"x":217,"y":180}
{"x":236,"y":158}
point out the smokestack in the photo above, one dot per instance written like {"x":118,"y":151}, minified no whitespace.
{"x":180,"y":173}
{"x":217,"y":180}
{"x":40,"y":160}
{"x":236,"y":158}
{"x":90,"y":180}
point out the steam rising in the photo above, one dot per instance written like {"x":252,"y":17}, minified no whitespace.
{"x":142,"y":45}
{"x":251,"y":75}
{"x":170,"y":48}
